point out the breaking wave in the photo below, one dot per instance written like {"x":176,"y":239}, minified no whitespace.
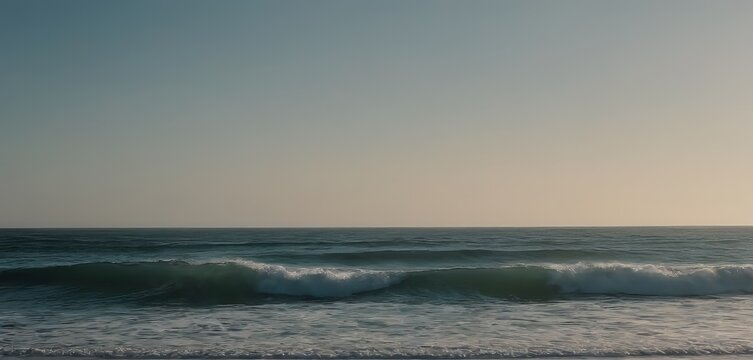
{"x":247,"y":281}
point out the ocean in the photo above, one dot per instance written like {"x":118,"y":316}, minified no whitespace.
{"x":377,"y":293}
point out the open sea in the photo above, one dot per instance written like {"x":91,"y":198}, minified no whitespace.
{"x":392,"y":293}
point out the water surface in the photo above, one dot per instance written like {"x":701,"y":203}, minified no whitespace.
{"x":376,"y":293}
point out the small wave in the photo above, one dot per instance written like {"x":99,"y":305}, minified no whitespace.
{"x":244,"y":281}
{"x":652,"y":280}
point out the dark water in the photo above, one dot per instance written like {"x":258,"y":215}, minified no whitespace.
{"x":376,"y":293}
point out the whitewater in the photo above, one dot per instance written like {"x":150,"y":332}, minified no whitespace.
{"x":376,"y":293}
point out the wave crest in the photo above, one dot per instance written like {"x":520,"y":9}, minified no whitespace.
{"x":317,"y":282}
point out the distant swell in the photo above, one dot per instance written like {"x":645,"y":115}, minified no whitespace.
{"x":245,"y":281}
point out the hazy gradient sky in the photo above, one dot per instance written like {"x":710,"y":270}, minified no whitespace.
{"x":379,"y":113}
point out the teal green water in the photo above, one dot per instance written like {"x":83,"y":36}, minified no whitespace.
{"x":376,"y":293}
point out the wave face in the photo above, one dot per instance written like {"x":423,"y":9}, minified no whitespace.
{"x":244,"y":281}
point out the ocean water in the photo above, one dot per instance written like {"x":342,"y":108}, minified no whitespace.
{"x":377,"y":293}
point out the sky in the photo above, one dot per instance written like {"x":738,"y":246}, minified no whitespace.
{"x":375,"y":113}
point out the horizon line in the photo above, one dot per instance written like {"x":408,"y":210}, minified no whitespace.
{"x":240,"y":227}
